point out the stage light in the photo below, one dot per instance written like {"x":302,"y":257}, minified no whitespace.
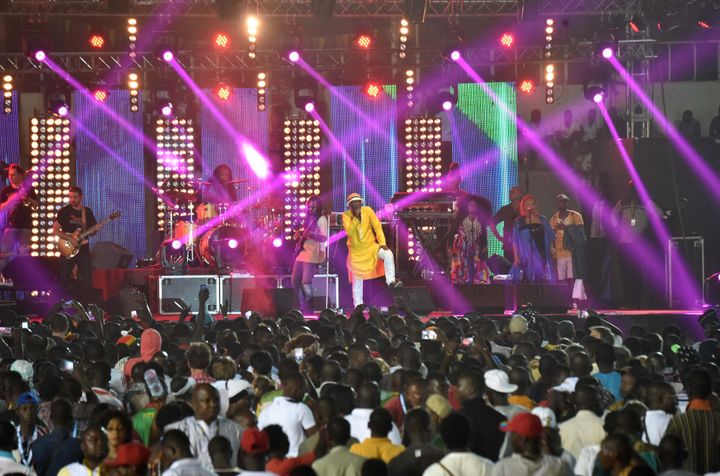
{"x":302,"y":179}
{"x":447,"y":105}
{"x":527,"y":86}
{"x":40,"y":55}
{"x":222,"y":41}
{"x":363,"y":41}
{"x":7,"y":93}
{"x":223,"y":91}
{"x":176,"y":244}
{"x":372,"y":90}
{"x":608,"y":52}
{"x":410,"y":88}
{"x":309,"y":107}
{"x":294,"y":56}
{"x":97,"y":41}
{"x":168,"y":56}
{"x":507,"y":40}
{"x":134,"y":87}
{"x":252,"y":31}
{"x":598,"y":98}
{"x":277,"y":242}
{"x":703,"y":24}
{"x":637,"y":24}
{"x":594,"y":93}
{"x":50,"y":176}
{"x":100,"y":95}
{"x":62,"y":110}
{"x":175,"y":169}
{"x":173,"y":257}
{"x":455,"y":55}
{"x":403,"y":43}
{"x":549,"y":67}
{"x":232,"y":243}
{"x":261,"y":91}
{"x":166,"y":108}
{"x":132,"y":30}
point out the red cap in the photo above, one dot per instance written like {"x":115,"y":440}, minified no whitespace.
{"x":254,"y":441}
{"x":525,"y":424}
{"x":130,"y":454}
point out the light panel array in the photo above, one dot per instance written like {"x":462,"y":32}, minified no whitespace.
{"x":549,"y":66}
{"x":252,"y":31}
{"x":132,"y":30}
{"x":403,"y":44}
{"x":134,"y":87}
{"x":423,"y":154}
{"x":262,"y":82}
{"x":175,"y":139}
{"x":301,"y":165}
{"x":50,"y":175}
{"x":7,"y":89}
{"x":410,"y":88}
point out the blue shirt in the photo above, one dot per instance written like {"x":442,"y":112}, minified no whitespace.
{"x":611,"y":382}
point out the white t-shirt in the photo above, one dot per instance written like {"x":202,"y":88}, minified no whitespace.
{"x":294,"y":418}
{"x":359,"y":419}
{"x":461,"y":464}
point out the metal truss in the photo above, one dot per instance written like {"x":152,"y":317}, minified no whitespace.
{"x":324,"y":60}
{"x":299,"y":8}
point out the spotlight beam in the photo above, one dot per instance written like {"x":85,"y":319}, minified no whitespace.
{"x":257,"y":163}
{"x":706,"y":175}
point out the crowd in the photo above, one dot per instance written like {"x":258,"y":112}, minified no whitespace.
{"x":85,"y":393}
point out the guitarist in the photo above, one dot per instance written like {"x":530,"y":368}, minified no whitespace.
{"x":73,"y":219}
{"x":310,"y":250}
{"x":16,"y":203}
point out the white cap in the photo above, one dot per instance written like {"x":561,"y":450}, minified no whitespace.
{"x":499,"y":381}
{"x":546,"y":416}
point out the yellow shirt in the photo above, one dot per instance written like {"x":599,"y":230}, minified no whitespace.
{"x":365,"y":237}
{"x":573,"y":218}
{"x":377,"y":448}
{"x":522,"y":401}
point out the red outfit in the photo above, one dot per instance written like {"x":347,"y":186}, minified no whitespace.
{"x":283,"y":467}
{"x":395,"y":407}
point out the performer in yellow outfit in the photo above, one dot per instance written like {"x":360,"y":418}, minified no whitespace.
{"x":368,"y":254}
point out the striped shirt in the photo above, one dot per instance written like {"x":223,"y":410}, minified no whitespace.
{"x":700,"y":430}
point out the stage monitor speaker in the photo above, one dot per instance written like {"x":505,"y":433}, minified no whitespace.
{"x":547,"y":298}
{"x":109,"y":255}
{"x":269,"y":302}
{"x":33,"y":272}
{"x":417,"y":297}
{"x":177,"y":292}
{"x":122,"y":303}
{"x":499,"y":264}
{"x":482,"y":298}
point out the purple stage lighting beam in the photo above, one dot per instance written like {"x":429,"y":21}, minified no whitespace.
{"x":255,"y":160}
{"x":701,"y":169}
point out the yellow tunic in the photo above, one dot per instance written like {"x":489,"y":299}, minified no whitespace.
{"x":365,"y":237}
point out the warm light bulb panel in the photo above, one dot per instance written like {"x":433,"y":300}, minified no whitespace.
{"x":175,"y":142}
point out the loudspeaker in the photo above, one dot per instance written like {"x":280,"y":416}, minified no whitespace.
{"x":549,"y":298}
{"x":33,"y":272}
{"x":418,"y":298}
{"x":177,"y":292}
{"x":483,"y":298}
{"x":499,"y":264}
{"x":269,"y":302}
{"x":108,"y":255}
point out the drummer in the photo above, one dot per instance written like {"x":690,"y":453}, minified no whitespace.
{"x":220,"y":188}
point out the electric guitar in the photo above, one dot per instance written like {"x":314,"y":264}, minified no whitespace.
{"x":70,"y":248}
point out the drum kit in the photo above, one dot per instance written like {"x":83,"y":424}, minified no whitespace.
{"x":204,"y":226}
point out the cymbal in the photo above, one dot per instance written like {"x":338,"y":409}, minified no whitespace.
{"x":237,"y":181}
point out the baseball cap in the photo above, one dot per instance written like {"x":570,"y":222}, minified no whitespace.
{"x":353,"y":197}
{"x":130,"y":454}
{"x":24,"y":368}
{"x":499,"y":381}
{"x":546,"y":416}
{"x":27,"y":397}
{"x":525,"y":424}
{"x":518,"y":324}
{"x":438,"y":405}
{"x":254,"y":441}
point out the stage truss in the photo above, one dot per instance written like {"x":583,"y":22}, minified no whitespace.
{"x":303,"y":8}
{"x":319,"y":59}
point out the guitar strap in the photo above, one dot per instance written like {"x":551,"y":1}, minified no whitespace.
{"x":83,"y":222}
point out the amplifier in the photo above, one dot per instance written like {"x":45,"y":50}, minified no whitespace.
{"x":177,"y":292}
{"x":233,"y":287}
